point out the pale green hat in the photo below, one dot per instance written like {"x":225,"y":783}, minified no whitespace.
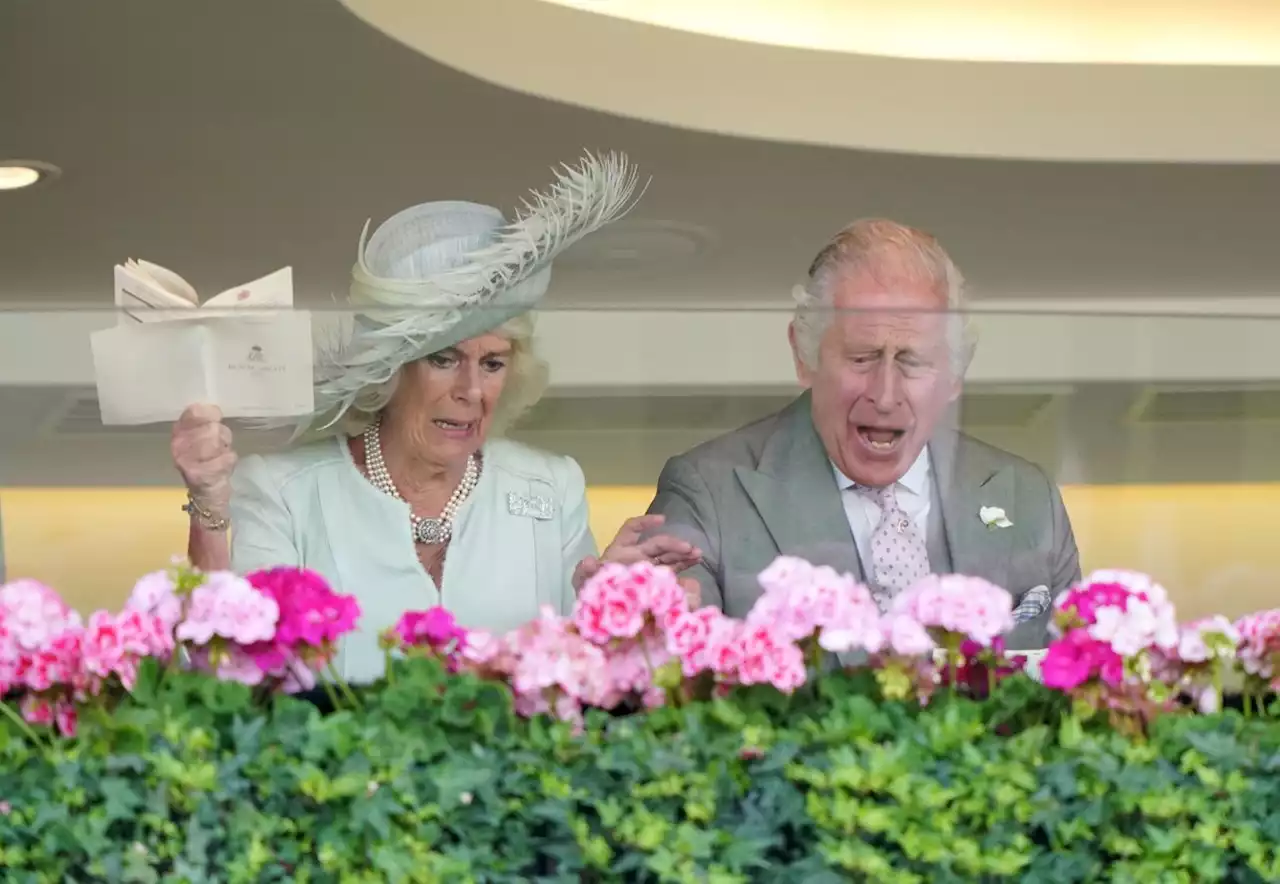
{"x":438,"y":273}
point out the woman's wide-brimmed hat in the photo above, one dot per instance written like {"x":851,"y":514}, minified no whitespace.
{"x":439,"y":273}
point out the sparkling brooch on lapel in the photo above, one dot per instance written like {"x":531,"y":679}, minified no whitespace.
{"x":994,"y":517}
{"x":532,"y":506}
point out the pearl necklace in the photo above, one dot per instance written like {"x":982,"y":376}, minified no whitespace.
{"x":429,"y":531}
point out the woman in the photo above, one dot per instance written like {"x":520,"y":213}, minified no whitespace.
{"x":413,"y":499}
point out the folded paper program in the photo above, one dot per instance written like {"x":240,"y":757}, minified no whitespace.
{"x":245,"y":350}
{"x":147,"y":292}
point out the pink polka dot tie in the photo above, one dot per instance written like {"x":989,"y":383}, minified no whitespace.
{"x":898,"y":554}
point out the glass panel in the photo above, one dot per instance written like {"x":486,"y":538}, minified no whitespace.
{"x":1160,"y":430}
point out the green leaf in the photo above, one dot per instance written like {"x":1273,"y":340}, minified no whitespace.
{"x":147,"y":682}
{"x":225,"y":697}
{"x":457,"y":783}
{"x":436,"y":780}
{"x":376,"y":812}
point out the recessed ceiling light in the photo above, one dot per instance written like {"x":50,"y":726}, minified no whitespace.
{"x":21,"y":174}
{"x":640,"y":245}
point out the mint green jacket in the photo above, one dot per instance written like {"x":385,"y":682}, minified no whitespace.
{"x":516,"y":539}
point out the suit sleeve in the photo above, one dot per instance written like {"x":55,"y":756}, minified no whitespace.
{"x":1066,"y":562}
{"x":684,"y":500}
{"x":577,"y":539}
{"x":261,"y":524}
{"x":1064,"y":570}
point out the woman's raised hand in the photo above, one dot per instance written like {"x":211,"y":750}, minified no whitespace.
{"x":202,"y":452}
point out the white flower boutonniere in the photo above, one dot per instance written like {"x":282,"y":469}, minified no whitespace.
{"x":994,"y":517}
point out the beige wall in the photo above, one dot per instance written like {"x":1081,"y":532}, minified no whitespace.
{"x":1213,"y":546}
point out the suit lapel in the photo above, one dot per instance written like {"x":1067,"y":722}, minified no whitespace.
{"x":968,"y":482}
{"x":794,"y":492}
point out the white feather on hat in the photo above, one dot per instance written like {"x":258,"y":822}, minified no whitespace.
{"x":439,"y":273}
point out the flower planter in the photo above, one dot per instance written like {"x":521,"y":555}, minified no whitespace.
{"x":639,"y":741}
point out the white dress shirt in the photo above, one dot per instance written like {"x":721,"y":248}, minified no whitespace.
{"x":915,"y":497}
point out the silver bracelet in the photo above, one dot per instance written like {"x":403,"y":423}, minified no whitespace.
{"x":205,"y":518}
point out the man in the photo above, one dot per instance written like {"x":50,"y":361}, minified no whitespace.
{"x":865,"y":471}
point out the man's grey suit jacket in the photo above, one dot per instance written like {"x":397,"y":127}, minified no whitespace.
{"x":768,"y":489}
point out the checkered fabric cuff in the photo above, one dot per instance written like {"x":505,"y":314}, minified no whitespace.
{"x":1032,"y":604}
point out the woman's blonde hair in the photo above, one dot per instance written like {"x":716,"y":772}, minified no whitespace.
{"x":527,"y":378}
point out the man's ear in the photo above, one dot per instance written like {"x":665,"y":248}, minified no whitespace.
{"x":957,"y":381}
{"x":803,"y":373}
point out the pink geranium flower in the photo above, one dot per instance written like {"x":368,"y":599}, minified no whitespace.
{"x":853,"y":622}
{"x":801,"y":600}
{"x":1118,"y":650}
{"x":39,"y":641}
{"x":57,"y":663}
{"x":691,"y":639}
{"x":1208,"y":638}
{"x":1259,"y":651}
{"x":553,"y":669}
{"x":228,"y":607}
{"x":1083,"y":601}
{"x":1126,"y":609}
{"x":959,"y":606}
{"x":632,"y":667}
{"x":311,"y":619}
{"x":311,"y":613}
{"x":1206,"y":647}
{"x":434,"y":628}
{"x":103,"y":645}
{"x":228,"y":663}
{"x":434,"y":632}
{"x":768,"y":656}
{"x":115,"y":645}
{"x":156,"y":594}
{"x":724,"y":649}
{"x":620,"y":600}
{"x":483,"y":650}
{"x":31,"y":615}
{"x":48,"y":712}
{"x":1076,"y":659}
{"x":906,"y":636}
{"x":1126,"y":613}
{"x":789,"y":601}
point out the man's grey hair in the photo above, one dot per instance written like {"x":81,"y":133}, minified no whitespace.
{"x":876,"y":245}
{"x":527,"y":378}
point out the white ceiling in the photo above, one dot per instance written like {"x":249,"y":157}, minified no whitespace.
{"x":226,"y":139}
{"x":1230,"y":32}
{"x":973,"y":78}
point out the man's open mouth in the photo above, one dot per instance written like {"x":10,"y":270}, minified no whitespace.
{"x":880,"y":439}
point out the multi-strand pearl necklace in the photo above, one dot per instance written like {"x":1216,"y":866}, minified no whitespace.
{"x":431,"y":531}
